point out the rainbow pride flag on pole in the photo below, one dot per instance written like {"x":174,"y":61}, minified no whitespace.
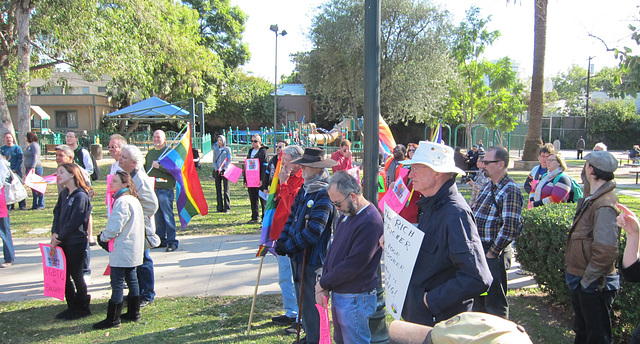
{"x":387,"y":143}
{"x":266,"y":243}
{"x":179,"y":163}
{"x":437,"y":134}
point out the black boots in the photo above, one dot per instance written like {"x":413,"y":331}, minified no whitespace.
{"x":77,"y":307}
{"x":113,"y":317}
{"x":133,"y":309}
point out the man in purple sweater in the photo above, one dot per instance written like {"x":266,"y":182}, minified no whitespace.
{"x":350,"y":269}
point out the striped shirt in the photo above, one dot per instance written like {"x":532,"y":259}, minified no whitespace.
{"x":498,"y":213}
{"x":553,"y":191}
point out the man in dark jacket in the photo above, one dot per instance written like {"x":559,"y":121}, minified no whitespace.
{"x":257,"y":151}
{"x":306,"y":234}
{"x":451,"y":268}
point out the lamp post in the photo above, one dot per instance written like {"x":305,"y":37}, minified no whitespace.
{"x":274,"y":28}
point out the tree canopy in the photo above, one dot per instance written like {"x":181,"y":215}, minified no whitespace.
{"x":415,"y":62}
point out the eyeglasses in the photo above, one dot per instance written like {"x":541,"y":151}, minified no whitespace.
{"x":411,"y":150}
{"x":339,"y":204}
{"x":552,"y":159}
{"x":487,"y":162}
{"x":254,"y":141}
{"x":114,"y":147}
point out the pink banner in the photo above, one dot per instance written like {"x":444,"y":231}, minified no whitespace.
{"x":232,"y":173}
{"x":396,"y":197}
{"x":54,"y":267}
{"x":403,"y":172}
{"x":35,"y":182}
{"x":108,"y":197}
{"x":325,"y":327}
{"x":50,"y":179}
{"x":355,"y":173}
{"x":252,"y":172}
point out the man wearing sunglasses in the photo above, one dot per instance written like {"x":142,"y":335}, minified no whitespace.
{"x":498,"y":213}
{"x":342,"y":157}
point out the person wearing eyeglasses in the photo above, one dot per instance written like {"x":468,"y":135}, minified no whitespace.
{"x":555,"y":186}
{"x":343,"y":157}
{"x":258,"y":151}
{"x":498,"y":213}
{"x":450,"y":269}
{"x":349,"y":273}
{"x":116,"y":142}
{"x":306,"y":235}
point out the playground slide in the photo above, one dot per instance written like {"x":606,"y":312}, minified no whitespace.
{"x":329,"y":137}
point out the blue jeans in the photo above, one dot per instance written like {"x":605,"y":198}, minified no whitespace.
{"x":165,"y":220}
{"x":285,"y":279}
{"x":7,"y":241}
{"x":592,"y":315}
{"x":145,"y":278}
{"x":351,"y":313}
{"x":38,"y":198}
{"x":118,"y":276}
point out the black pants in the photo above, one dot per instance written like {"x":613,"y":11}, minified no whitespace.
{"x":495,"y":302}
{"x":579,"y":154}
{"x":592,"y":315}
{"x":222,"y":198}
{"x":254,"y":197}
{"x":74,"y":254}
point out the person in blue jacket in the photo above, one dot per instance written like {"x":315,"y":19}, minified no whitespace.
{"x":451,"y":268}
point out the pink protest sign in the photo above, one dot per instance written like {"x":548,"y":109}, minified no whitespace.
{"x":232,"y":173}
{"x":50,"y":179}
{"x":252,"y":172}
{"x":355,"y":173}
{"x":54,"y":267}
{"x":35,"y":182}
{"x":108,"y":197}
{"x":403,"y":172}
{"x":396,"y":196}
{"x":325,"y":327}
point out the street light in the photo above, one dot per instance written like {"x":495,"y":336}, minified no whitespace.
{"x":274,"y":28}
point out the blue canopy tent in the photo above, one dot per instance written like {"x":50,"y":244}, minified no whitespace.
{"x":156,"y":109}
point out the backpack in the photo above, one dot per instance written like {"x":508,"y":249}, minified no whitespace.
{"x":576,"y":190}
{"x":96,"y":170}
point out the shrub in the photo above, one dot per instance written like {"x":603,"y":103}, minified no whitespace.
{"x":540,"y":250}
{"x":540,"y":247}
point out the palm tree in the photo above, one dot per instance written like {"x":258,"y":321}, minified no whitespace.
{"x":536,"y":104}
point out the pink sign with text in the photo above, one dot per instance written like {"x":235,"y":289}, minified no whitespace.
{"x":396,"y":197}
{"x":35,"y":182}
{"x":54,"y":267}
{"x":232,"y":173}
{"x":325,"y":327}
{"x":252,"y":172}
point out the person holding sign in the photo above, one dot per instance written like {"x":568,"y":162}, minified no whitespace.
{"x":125,"y":227}
{"x":69,"y":231}
{"x":221,"y":160}
{"x":259,"y":152}
{"x":451,"y":268}
{"x":350,"y":271}
{"x":8,"y":251}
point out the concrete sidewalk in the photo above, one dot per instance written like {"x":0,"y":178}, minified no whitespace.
{"x":202,"y":265}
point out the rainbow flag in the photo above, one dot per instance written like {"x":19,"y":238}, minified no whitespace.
{"x":437,"y":134}
{"x":179,"y":162}
{"x":387,"y":143}
{"x":269,"y":213}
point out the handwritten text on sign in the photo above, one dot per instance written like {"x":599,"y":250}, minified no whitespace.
{"x":55,"y":271}
{"x":402,"y":242}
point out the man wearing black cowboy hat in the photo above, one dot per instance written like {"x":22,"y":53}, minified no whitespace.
{"x":306,"y":234}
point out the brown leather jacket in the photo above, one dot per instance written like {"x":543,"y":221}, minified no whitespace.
{"x":592,"y":251}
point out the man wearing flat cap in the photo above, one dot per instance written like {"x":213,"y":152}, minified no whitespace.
{"x":450,"y":269}
{"x":306,"y":234}
{"x":592,"y":252}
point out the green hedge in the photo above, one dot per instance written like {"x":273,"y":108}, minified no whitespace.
{"x":540,"y":249}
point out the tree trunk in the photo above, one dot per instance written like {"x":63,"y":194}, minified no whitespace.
{"x":23,"y":12}
{"x":6,"y":125}
{"x":536,"y":105}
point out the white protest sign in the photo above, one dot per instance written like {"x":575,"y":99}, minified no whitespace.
{"x":402,"y":242}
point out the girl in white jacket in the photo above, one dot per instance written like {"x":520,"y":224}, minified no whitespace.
{"x":126,"y":227}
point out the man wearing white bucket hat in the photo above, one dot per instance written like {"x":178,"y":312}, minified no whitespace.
{"x":451,"y":268}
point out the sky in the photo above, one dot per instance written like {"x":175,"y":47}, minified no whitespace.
{"x":569,"y":23}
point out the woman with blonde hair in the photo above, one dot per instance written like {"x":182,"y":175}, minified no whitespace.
{"x":555,"y":185}
{"x":126,"y":227}
{"x":69,"y":231}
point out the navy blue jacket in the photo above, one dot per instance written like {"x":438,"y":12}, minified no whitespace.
{"x":313,"y":234}
{"x":451,"y":267}
{"x":71,"y":216}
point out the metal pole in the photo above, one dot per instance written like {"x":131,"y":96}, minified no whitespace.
{"x":586,"y":113}
{"x":377,"y":324}
{"x":275,"y":95}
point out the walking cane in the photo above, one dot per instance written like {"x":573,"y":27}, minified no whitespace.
{"x":301,"y":296}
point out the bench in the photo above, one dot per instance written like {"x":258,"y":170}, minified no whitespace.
{"x":637,"y":172}
{"x":50,"y":149}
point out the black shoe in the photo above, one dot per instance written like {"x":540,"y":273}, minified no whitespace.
{"x":172,"y":247}
{"x":81,"y":308}
{"x":293,"y":330}
{"x":302,"y":341}
{"x":283,"y":320}
{"x":145,"y":303}
{"x":113,"y":317}
{"x":133,"y":309}
{"x":252,"y":222}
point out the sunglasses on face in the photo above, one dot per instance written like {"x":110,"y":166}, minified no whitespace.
{"x":487,"y":162}
{"x":254,"y":141}
{"x":411,"y":150}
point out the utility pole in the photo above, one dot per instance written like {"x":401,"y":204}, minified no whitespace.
{"x":586,"y":112}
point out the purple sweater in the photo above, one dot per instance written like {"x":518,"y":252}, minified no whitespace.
{"x":352,"y":263}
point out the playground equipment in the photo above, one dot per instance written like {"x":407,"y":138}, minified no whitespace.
{"x":319,"y":136}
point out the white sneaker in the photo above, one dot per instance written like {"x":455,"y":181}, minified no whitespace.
{"x":87,"y":279}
